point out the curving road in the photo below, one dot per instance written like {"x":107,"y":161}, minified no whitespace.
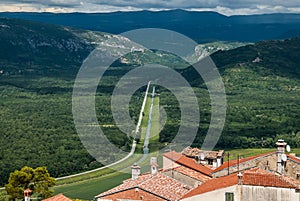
{"x":133,"y":144}
{"x":146,"y":143}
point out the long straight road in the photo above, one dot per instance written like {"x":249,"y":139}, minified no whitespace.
{"x":148,"y":131}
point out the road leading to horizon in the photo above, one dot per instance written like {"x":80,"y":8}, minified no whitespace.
{"x":148,"y":130}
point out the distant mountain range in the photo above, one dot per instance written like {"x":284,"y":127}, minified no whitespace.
{"x":200,"y":26}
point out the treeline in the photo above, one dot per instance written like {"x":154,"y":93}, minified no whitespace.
{"x":37,"y":128}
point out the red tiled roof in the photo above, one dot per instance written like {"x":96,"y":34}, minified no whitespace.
{"x":188,"y":162}
{"x":214,"y":184}
{"x":293,"y":158}
{"x":259,"y":177}
{"x":253,"y":177}
{"x":193,"y":152}
{"x":159,"y":184}
{"x":242,"y":160}
{"x":58,"y":197}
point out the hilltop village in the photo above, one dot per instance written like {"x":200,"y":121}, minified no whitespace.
{"x":196,"y":175}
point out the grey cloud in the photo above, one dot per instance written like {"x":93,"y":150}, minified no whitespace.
{"x":86,"y":5}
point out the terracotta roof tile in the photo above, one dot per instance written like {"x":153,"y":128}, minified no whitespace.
{"x":127,"y":184}
{"x":58,"y":197}
{"x":214,"y":184}
{"x":242,"y":160}
{"x":253,"y":177}
{"x":188,"y":162}
{"x":159,"y":184}
{"x":193,"y":152}
{"x":259,"y":177}
{"x":291,"y":157}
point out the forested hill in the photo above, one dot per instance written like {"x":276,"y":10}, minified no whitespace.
{"x":200,"y":26}
{"x":280,"y":56}
{"x":263,"y":92}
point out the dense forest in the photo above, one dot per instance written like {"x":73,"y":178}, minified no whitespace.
{"x":37,"y":127}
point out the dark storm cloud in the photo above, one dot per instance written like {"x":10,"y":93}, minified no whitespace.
{"x":252,"y":6}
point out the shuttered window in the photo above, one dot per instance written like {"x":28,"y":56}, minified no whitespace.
{"x":229,"y":196}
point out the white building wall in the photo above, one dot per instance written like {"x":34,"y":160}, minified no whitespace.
{"x":260,"y":193}
{"x":249,"y":193}
{"x":217,"y":195}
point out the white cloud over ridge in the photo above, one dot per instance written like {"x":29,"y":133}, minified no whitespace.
{"x":226,"y":7}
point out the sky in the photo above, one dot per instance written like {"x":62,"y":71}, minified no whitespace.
{"x":226,"y":7}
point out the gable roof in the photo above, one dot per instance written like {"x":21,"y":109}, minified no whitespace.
{"x":159,"y":185}
{"x":195,"y":152}
{"x":242,"y":160}
{"x":253,"y":177}
{"x":259,"y":177}
{"x":213,"y":184}
{"x":58,"y":197}
{"x":188,"y":162}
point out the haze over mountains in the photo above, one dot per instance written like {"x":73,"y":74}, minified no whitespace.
{"x":200,"y":26}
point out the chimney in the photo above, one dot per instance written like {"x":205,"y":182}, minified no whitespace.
{"x":240,"y":178}
{"x":27,"y":193}
{"x":153,"y":165}
{"x":135,"y":171}
{"x":281,"y":144}
{"x":280,"y":155}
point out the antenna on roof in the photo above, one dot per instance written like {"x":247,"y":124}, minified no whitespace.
{"x":228,"y":163}
{"x":238,"y":159}
{"x":288,"y":148}
{"x":202,"y":157}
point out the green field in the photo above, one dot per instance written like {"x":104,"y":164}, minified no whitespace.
{"x":88,"y":185}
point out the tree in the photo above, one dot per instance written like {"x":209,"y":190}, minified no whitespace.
{"x":2,"y":196}
{"x":38,"y":180}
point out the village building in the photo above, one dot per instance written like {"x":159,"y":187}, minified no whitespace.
{"x":212,"y":159}
{"x":276,"y":161}
{"x":58,"y":197}
{"x":147,"y":187}
{"x":266,"y":177}
{"x":251,"y":185}
{"x":185,"y":169}
{"x":178,"y":176}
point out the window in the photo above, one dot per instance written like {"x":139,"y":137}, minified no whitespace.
{"x":210,"y":161}
{"x":229,"y":196}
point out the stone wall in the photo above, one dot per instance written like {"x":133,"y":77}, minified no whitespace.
{"x":292,"y":168}
{"x":260,"y":193}
{"x":264,"y":162}
{"x":267,"y":162}
{"x":183,"y":178}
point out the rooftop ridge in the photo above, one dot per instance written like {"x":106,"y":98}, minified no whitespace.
{"x":188,"y":162}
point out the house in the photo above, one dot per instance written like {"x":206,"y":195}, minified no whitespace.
{"x":250,"y":185}
{"x":58,"y":197}
{"x":152,"y":186}
{"x":266,"y":177}
{"x":277,"y":161}
{"x":147,"y":187}
{"x":185,"y":169}
{"x":213,"y":159}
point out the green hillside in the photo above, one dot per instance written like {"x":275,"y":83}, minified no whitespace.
{"x":262,"y":83}
{"x":38,"y":65}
